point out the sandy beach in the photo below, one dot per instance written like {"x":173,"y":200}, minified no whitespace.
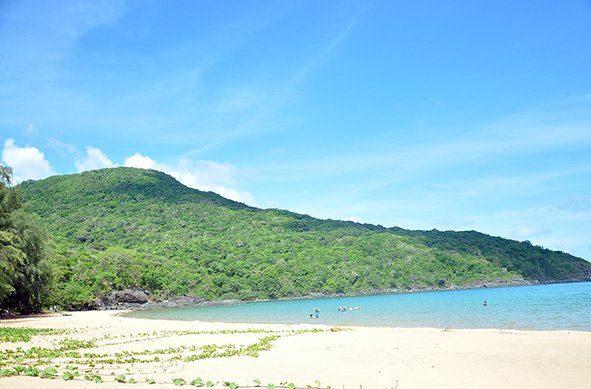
{"x":306,"y":355}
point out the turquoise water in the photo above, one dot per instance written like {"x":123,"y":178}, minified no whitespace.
{"x":538,"y":307}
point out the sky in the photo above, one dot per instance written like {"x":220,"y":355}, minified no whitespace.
{"x":456,"y":115}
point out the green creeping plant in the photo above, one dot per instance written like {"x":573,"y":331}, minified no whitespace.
{"x":50,"y":372}
{"x":120,"y":378}
{"x":18,"y":334}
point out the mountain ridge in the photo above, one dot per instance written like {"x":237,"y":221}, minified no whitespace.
{"x":125,"y":227}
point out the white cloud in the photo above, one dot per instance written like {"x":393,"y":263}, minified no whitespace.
{"x":140,"y":161}
{"x":95,"y":159}
{"x":28,"y":163}
{"x":209,"y":176}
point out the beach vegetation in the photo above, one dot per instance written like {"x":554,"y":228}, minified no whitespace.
{"x":31,"y":371}
{"x":40,"y":361}
{"x":49,"y":372}
{"x":4,"y":372}
{"x":70,"y":373}
{"x":94,"y":377}
{"x":74,"y":344}
{"x":120,"y":378}
{"x":24,"y":334}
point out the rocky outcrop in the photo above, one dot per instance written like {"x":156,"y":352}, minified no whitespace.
{"x":129,"y":296}
{"x":137,"y":299}
{"x":182,"y":301}
{"x":122,"y":299}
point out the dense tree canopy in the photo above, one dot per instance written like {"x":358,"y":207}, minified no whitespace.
{"x":25,"y":274}
{"x":125,"y":227}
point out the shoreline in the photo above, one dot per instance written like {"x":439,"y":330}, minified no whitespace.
{"x":192,"y":301}
{"x":380,"y":357}
{"x":185,"y":301}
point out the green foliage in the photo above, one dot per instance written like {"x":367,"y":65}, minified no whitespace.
{"x":120,"y":378}
{"x":70,"y":373}
{"x":133,"y":228}
{"x":94,"y":377}
{"x":31,"y":371}
{"x":74,"y":344}
{"x":4,"y":372}
{"x":49,"y":372}
{"x":25,"y":273}
{"x":23,"y":334}
{"x":179,"y":382}
{"x":532,"y":262}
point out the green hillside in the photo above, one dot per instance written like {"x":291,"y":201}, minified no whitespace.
{"x":126,"y":227}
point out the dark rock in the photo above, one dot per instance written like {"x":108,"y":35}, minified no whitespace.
{"x":182,"y":301}
{"x":99,"y":304}
{"x":128,"y":296}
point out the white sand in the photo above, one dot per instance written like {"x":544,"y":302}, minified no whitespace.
{"x":371,"y":357}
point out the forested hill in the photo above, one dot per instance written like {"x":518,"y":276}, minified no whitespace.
{"x":126,"y":227}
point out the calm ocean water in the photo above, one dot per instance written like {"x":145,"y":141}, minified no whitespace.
{"x":538,"y":307}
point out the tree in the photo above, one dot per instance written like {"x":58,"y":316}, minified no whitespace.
{"x":25,"y":274}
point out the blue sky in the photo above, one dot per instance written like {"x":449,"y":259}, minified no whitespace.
{"x":462,"y":115}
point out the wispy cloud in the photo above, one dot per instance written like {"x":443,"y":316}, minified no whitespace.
{"x":37,"y":40}
{"x":31,"y":131}
{"x":32,"y":36}
{"x":525,"y":232}
{"x":408,"y":160}
{"x":62,"y":148}
{"x":511,"y":184}
{"x":319,"y":58}
{"x":263,"y":106}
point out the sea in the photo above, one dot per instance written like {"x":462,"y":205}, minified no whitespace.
{"x":534,"y":307}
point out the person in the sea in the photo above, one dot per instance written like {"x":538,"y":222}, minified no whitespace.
{"x":317,"y":313}
{"x":311,"y":316}
{"x":485,"y":303}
